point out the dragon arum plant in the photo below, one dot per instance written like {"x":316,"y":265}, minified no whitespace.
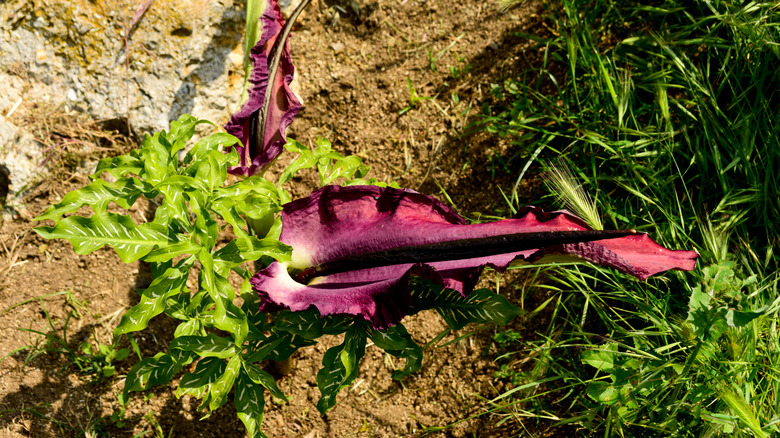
{"x":352,"y":259}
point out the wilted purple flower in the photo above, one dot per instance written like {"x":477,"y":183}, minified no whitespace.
{"x":339,"y":233}
{"x":249,"y":123}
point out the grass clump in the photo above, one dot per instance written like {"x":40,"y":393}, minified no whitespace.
{"x":671,"y":115}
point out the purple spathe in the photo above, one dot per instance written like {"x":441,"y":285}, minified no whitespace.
{"x":337,"y":222}
{"x":284,"y":106}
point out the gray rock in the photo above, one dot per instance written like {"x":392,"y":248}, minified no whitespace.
{"x":21,"y":157}
{"x":182,"y":59}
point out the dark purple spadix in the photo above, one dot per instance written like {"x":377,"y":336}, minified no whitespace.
{"x":457,"y":250}
{"x":355,"y":248}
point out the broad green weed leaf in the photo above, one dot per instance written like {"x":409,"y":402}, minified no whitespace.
{"x":603,"y":392}
{"x":708,"y":322}
{"x":249,"y":401}
{"x":153,"y":299}
{"x":182,"y":130}
{"x":736,"y":318}
{"x":210,"y":345}
{"x":88,"y":234}
{"x":602,"y":359}
{"x":339,"y":367}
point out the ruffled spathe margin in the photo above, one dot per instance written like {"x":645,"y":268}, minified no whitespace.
{"x":284,"y":106}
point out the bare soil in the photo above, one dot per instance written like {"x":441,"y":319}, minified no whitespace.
{"x":353,"y":62}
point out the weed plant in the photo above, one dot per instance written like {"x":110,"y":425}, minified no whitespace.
{"x":670,"y":113}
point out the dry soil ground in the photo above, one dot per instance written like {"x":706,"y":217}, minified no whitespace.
{"x":354,"y":60}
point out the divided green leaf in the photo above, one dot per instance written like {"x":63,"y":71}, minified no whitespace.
{"x":130,"y":241}
{"x":339,"y":367}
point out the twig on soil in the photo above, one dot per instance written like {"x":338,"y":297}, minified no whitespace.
{"x":434,"y":151}
{"x":12,"y":254}
{"x":16,"y":105}
{"x":30,"y":300}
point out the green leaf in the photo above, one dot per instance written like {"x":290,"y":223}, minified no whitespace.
{"x":289,"y":345}
{"x":210,"y":345}
{"x":736,"y":318}
{"x":480,"y":306}
{"x":207,"y":275}
{"x":198,"y":383}
{"x":120,"y":166}
{"x":222,"y":386}
{"x":171,"y":251}
{"x":306,"y":323}
{"x":249,"y":401}
{"x":254,"y":32}
{"x":98,"y":194}
{"x":708,"y":322}
{"x":306,"y":160}
{"x":397,"y":342}
{"x":198,"y":304}
{"x":151,"y":372}
{"x":602,"y":359}
{"x":214,"y":142}
{"x":603,"y":392}
{"x":339,"y":367}
{"x":228,"y":316}
{"x":258,"y":193}
{"x":153,"y":298}
{"x":215,"y":173}
{"x":156,"y":158}
{"x":206,"y":229}
{"x":266,"y":347}
{"x":130,"y":241}
{"x":260,"y":377}
{"x":173,"y":212}
{"x":250,"y":249}
{"x":188,"y":328}
{"x":182,"y":130}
